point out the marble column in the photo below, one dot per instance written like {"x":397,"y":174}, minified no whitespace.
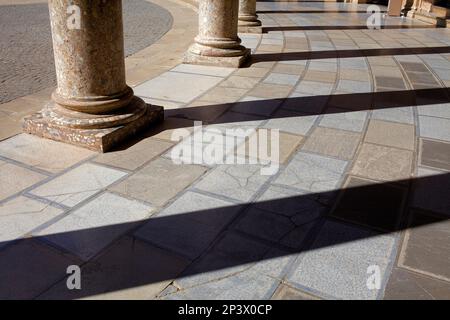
{"x":92,"y":106}
{"x":248,"y":19}
{"x":217,"y":42}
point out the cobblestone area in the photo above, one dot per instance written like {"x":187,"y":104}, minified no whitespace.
{"x":26,"y":57}
{"x":359,"y":208}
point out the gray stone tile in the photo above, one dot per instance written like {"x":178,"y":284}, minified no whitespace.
{"x":282,"y":78}
{"x":239,"y":182}
{"x":204,"y":70}
{"x":136,"y":155}
{"x":256,"y":105}
{"x":312,"y":173}
{"x":400,"y":114}
{"x":214,"y":213}
{"x":294,"y":204}
{"x":434,"y":128}
{"x":290,"y":121}
{"x":41,"y":153}
{"x":265,"y":225}
{"x":92,"y":227}
{"x":21,"y":215}
{"x":28,"y":268}
{"x":435,"y":154}
{"x":240,"y":287}
{"x":344,"y":120}
{"x":14,"y":179}
{"x":354,"y":86}
{"x":435,"y":110}
{"x":189,"y":86}
{"x":130,"y":269}
{"x":159,"y":181}
{"x":78,"y":184}
{"x":337,"y":263}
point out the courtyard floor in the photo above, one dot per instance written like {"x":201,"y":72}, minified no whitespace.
{"x":359,"y":208}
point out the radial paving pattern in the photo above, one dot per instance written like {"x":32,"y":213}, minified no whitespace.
{"x":362,"y":187}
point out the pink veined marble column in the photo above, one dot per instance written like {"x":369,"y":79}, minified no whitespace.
{"x":248,"y":19}
{"x":92,"y":106}
{"x":217,"y":42}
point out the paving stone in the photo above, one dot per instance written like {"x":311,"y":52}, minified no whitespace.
{"x":287,"y":293}
{"x":41,"y":153}
{"x":130,"y":269}
{"x":159,"y":181}
{"x":336,"y":265}
{"x":305,"y":103}
{"x":344,"y":120}
{"x":320,"y":76}
{"x":390,"y":82}
{"x":435,"y":154}
{"x":240,"y":82}
{"x":90,"y":228}
{"x":207,"y":210}
{"x":236,"y":120}
{"x":354,"y":86}
{"x":300,"y":206}
{"x":232,"y":255}
{"x":383,"y":163}
{"x":286,"y":145}
{"x":435,"y":110}
{"x":375,"y":205}
{"x":282,"y":79}
{"x":288,"y":69}
{"x":240,"y":287}
{"x":189,"y":86}
{"x":28,"y":268}
{"x":265,"y":225}
{"x":224,"y":95}
{"x":239,"y":182}
{"x":405,"y":285}
{"x":314,"y":87}
{"x":166,"y":130}
{"x":312,"y":173}
{"x":256,"y":105}
{"x":426,"y":246}
{"x":78,"y":184}
{"x":391,"y":134}
{"x":14,"y":179}
{"x":430,"y":191}
{"x":9,"y":127}
{"x":136,"y":155}
{"x":291,"y":122}
{"x":330,"y":142}
{"x":400,"y":114}
{"x":434,"y":128}
{"x":251,"y":72}
{"x":204,"y":70}
{"x":21,"y":215}
{"x":270,"y":91}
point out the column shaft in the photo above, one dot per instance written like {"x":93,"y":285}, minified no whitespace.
{"x":248,"y":19}
{"x":217,"y":42}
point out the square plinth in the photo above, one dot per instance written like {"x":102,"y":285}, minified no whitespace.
{"x":231,"y":62}
{"x":100,"y":140}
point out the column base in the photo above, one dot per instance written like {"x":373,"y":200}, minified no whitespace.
{"x":100,"y":140}
{"x":231,"y":62}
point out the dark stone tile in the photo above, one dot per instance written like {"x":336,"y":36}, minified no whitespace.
{"x":287,"y":293}
{"x":411,"y":286}
{"x":28,"y":268}
{"x":432,"y":193}
{"x":390,"y":82}
{"x":376,"y":205}
{"x":426,"y":246}
{"x":422,"y":77}
{"x":413,"y":66}
{"x":435,"y":154}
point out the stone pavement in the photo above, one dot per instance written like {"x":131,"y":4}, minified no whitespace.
{"x":358,"y":209}
{"x":26,"y":42}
